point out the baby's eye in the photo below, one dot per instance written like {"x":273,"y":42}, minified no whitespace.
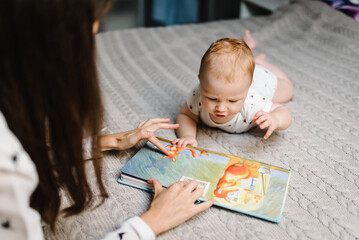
{"x":212,"y":99}
{"x":233,"y":101}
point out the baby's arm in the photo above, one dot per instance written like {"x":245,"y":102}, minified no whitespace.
{"x":278,"y":118}
{"x":187,"y":130}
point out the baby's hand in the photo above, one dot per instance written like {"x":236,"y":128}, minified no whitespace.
{"x":183,"y":142}
{"x":265,"y":120}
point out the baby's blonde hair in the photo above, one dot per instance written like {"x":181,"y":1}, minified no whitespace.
{"x":235,"y":52}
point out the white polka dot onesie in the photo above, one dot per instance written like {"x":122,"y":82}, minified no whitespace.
{"x":259,"y":97}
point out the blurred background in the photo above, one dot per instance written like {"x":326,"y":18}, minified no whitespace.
{"x":125,"y":14}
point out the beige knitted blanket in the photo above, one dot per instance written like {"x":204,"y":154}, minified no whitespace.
{"x":148,"y":72}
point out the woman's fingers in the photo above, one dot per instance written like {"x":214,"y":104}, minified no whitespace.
{"x":204,"y":205}
{"x":157,"y":186}
{"x":152,"y":125}
{"x":191,"y":186}
{"x":196,"y":192}
{"x":158,"y":126}
{"x":147,"y":128}
{"x":159,"y":145}
{"x":152,"y":121}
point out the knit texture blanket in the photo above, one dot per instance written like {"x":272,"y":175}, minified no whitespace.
{"x":147,"y":73}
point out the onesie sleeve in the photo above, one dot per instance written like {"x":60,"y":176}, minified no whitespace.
{"x":194,"y":100}
{"x":132,"y":229}
{"x":254,"y":103}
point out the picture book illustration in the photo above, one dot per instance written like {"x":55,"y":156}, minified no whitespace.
{"x":235,"y":183}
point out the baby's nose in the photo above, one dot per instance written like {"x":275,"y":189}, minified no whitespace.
{"x":221,"y":106}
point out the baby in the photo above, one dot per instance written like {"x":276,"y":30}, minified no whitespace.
{"x":236,"y":92}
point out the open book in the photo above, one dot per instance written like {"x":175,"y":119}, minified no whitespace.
{"x":235,"y":183}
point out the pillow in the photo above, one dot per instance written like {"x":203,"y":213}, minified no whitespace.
{"x":348,"y":7}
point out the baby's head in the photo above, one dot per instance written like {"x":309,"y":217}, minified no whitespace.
{"x":225,"y":76}
{"x":228,"y":58}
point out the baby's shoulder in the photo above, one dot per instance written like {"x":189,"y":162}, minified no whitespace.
{"x":252,"y":97}
{"x":254,"y":102}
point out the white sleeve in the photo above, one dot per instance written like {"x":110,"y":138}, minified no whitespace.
{"x":86,"y":144}
{"x":18,"y":179}
{"x":132,"y":229}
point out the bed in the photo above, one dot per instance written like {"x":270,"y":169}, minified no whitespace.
{"x":147,"y":73}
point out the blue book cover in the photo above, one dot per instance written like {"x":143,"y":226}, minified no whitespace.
{"x":235,"y":183}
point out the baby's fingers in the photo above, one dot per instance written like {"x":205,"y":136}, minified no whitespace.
{"x":194,"y":143}
{"x":269,"y":132}
{"x":265,"y":124}
{"x":258,"y":114}
{"x":261,"y":119}
{"x":191,"y":142}
{"x":182,"y":143}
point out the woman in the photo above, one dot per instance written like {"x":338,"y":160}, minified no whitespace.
{"x":49,"y":102}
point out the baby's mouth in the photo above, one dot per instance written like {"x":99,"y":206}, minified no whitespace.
{"x":220,"y":115}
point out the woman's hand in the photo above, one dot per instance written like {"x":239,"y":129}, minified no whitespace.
{"x":173,"y":206}
{"x":145,"y":130}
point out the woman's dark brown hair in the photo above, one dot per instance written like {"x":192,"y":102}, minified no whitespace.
{"x":50,"y":97}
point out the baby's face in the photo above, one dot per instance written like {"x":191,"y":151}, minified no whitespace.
{"x":223,"y":99}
